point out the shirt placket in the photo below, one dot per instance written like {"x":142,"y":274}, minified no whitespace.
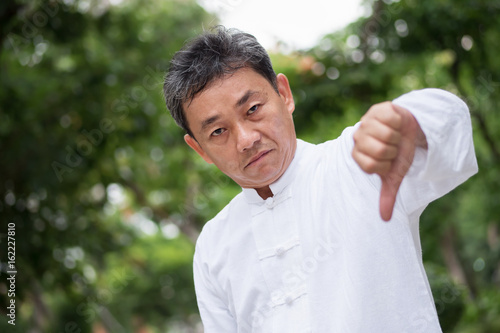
{"x":275,"y":230}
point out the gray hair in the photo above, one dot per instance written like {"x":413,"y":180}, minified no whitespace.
{"x":208,"y":57}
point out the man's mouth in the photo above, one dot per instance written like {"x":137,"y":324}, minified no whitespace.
{"x":257,"y":157}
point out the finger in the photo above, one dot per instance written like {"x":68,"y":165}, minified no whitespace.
{"x":388,"y":194}
{"x":376,"y":149}
{"x":400,"y":110}
{"x":386,"y":113}
{"x":380,"y":131}
{"x":370,"y":165}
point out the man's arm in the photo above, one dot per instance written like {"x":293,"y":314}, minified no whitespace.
{"x":390,"y":133}
{"x":214,"y":313}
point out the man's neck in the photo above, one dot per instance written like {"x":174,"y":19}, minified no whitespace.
{"x":264,"y":192}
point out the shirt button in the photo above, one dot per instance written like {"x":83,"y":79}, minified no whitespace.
{"x":288,"y":300}
{"x":269,"y":202}
{"x":280,"y":251}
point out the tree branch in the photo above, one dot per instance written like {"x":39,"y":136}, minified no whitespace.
{"x":476,"y":113}
{"x":186,"y":227}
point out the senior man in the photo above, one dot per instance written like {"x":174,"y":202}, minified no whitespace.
{"x":322,"y":238}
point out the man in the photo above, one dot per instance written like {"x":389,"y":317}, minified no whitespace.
{"x":303,"y":248}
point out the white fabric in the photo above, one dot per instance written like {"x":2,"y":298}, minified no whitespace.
{"x":317,"y":257}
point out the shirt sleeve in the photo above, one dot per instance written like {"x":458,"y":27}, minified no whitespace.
{"x":449,"y":159}
{"x":214,"y":312}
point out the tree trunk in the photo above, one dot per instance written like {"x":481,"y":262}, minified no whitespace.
{"x":453,"y":261}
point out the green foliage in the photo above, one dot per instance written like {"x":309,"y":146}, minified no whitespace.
{"x":91,"y":158}
{"x":448,"y":297}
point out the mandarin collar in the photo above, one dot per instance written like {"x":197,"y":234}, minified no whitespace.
{"x":279,"y":185}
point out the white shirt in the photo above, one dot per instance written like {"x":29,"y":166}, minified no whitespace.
{"x":317,"y":257}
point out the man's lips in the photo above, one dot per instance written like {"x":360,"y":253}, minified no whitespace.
{"x":258,"y":156}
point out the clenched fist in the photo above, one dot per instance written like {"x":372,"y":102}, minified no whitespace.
{"x":385,"y":144}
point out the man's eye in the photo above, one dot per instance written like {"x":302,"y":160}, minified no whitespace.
{"x":253,"y":109}
{"x":218,"y":132}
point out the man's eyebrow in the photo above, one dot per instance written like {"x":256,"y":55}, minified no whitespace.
{"x":207,"y":122}
{"x":245,"y":97}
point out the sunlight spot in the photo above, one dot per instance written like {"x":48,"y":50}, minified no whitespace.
{"x":467,"y":42}
{"x":169,"y":230}
{"x":479,"y":264}
{"x":318,"y":69}
{"x":332,"y":73}
{"x":401,"y":28}
{"x":353,"y":41}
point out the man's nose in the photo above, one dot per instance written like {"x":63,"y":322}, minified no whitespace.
{"x":247,"y":136}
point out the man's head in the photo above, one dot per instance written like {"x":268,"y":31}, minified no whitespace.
{"x":237,"y":112}
{"x":207,"y":58}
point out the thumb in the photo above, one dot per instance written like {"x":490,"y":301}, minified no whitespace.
{"x":388,"y":193}
{"x":400,"y":165}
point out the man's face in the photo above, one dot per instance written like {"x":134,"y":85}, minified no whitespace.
{"x":244,"y":127}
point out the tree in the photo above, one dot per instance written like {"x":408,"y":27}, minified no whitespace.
{"x":92,"y":170}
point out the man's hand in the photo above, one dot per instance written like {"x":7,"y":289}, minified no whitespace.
{"x":385,"y":144}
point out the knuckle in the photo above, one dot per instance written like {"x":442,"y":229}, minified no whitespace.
{"x":395,"y":136}
{"x":363,"y":126}
{"x":380,"y":150}
{"x":371,"y":166}
{"x":388,"y":135}
{"x":373,"y":110}
{"x":398,"y":118}
{"x":384,"y":150}
{"x":355,"y":136}
{"x":393,"y":152}
{"x":354,"y":154}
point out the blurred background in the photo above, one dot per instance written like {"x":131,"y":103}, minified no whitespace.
{"x":107,"y":200}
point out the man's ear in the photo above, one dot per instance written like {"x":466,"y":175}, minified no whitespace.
{"x":285,"y":92}
{"x":197,"y":148}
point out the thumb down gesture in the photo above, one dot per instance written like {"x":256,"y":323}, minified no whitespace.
{"x":385,"y":144}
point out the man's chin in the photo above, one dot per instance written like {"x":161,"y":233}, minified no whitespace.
{"x":261,"y":181}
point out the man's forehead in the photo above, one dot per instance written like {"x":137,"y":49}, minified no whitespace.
{"x":240,"y":75}
{"x":213,"y":83}
{"x":242,"y":82}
